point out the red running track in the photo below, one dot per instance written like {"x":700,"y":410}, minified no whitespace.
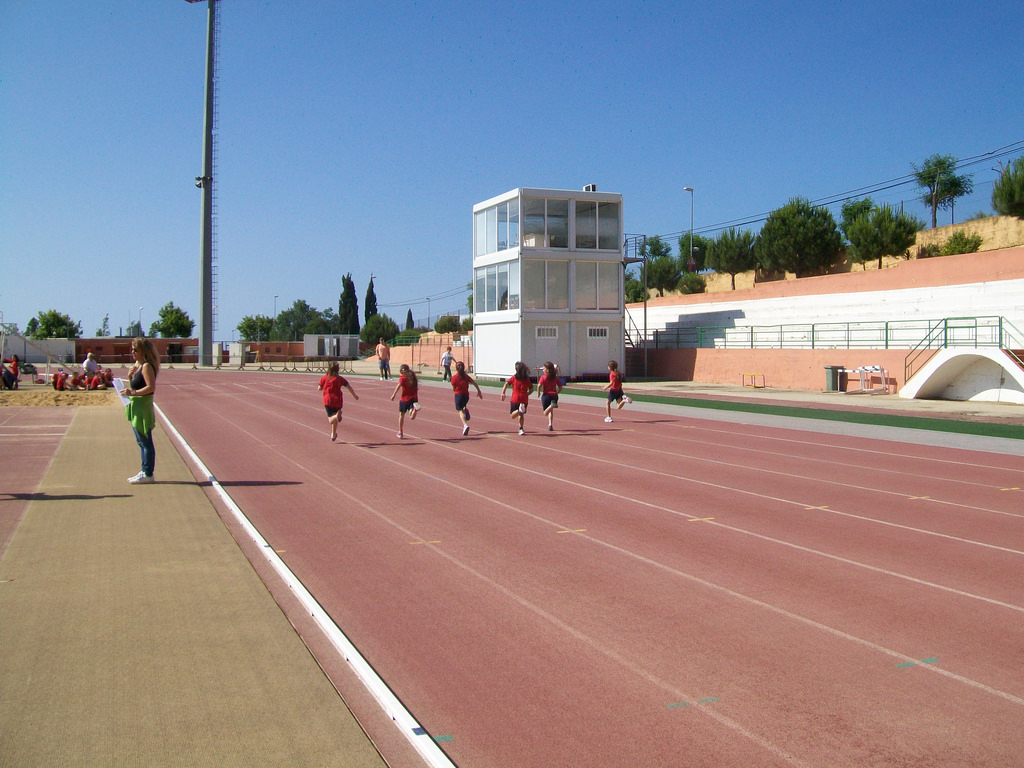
{"x":659,"y":591}
{"x":29,"y":438}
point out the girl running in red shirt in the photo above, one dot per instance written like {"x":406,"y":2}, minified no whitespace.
{"x":331,"y":385}
{"x":521,"y":389}
{"x":460,"y":385}
{"x":409,"y":386}
{"x":614,"y":387}
{"x":548,"y":388}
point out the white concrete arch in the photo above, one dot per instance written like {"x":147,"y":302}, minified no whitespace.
{"x":988,"y":375}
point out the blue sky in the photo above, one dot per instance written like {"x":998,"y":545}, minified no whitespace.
{"x":356,"y":137}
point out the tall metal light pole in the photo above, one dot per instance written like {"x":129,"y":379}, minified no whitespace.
{"x":690,"y":190}
{"x":140,"y":322}
{"x":205,"y":183}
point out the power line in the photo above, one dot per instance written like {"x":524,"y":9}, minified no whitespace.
{"x":447,"y":294}
{"x":870,"y":189}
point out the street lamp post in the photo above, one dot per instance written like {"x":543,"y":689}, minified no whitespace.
{"x":690,"y":257}
{"x":428,"y":313}
{"x":140,"y":321}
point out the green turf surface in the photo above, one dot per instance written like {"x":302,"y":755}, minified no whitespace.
{"x":959,"y":426}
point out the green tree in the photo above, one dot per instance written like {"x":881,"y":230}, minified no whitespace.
{"x":942,"y":186}
{"x":255,"y":328}
{"x":634,"y":289}
{"x":348,"y":307}
{"x":172,"y":323}
{"x":293,"y":323}
{"x":1008,"y":191}
{"x":370,"y":304}
{"x":701,"y":246}
{"x":961,"y":242}
{"x":881,"y":232}
{"x":663,"y":271}
{"x":53,"y":324}
{"x":104,"y":329}
{"x":853,"y":210}
{"x":409,"y":322}
{"x":469,"y":298}
{"x":732,"y":252}
{"x":691,"y":282}
{"x":798,"y":238}
{"x":380,"y":326}
{"x":447,"y":324}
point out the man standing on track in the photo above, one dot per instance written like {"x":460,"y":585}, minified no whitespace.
{"x":384,"y":358}
{"x":446,"y":363}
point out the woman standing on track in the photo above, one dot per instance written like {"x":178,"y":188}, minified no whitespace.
{"x":334,"y":399}
{"x":614,"y":387}
{"x":139,"y":410}
{"x":409,"y":387}
{"x":548,"y":388}
{"x":460,"y":385}
{"x":521,"y":389}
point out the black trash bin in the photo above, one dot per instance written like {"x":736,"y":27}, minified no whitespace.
{"x":833,"y":378}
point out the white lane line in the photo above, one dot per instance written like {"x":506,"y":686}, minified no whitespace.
{"x":407,"y":724}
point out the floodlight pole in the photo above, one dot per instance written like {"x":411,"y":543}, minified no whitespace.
{"x":205,"y":183}
{"x":690,"y":257}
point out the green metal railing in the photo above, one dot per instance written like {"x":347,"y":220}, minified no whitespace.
{"x":891,"y":334}
{"x":964,"y":332}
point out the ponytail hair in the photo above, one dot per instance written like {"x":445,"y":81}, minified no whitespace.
{"x":522,"y":372}
{"x":408,"y":372}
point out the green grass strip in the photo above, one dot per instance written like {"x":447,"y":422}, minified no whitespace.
{"x":956,"y":426}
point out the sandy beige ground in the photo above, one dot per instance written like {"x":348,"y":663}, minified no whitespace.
{"x":44,"y":395}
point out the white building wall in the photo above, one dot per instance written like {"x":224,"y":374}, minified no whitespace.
{"x":496,"y":348}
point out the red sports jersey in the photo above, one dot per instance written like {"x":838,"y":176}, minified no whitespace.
{"x":548,"y":386}
{"x":521,"y":389}
{"x":409,"y":388}
{"x":460,"y":383}
{"x":333,"y":396}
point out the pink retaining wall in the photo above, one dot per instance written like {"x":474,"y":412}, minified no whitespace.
{"x":1005,"y":264}
{"x":781,"y":368}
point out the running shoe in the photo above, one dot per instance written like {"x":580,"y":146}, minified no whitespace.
{"x":626,"y":400}
{"x":142,"y":479}
{"x":415,"y":406}
{"x":550,"y":428}
{"x":135,"y":478}
{"x":465,"y":430}
{"x":608,"y":419}
{"x":522,"y":408}
{"x":522,"y":432}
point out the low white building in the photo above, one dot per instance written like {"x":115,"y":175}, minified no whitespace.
{"x":548,"y":281}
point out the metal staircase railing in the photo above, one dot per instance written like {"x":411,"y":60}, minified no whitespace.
{"x":973,"y":332}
